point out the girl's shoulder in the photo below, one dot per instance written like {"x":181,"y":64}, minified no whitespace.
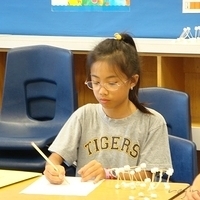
{"x":88,"y":106}
{"x":87,"y":109}
{"x":155,"y":115}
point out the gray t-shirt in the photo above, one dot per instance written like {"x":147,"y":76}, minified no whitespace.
{"x":90,"y":135}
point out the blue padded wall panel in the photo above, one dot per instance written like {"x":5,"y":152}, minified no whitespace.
{"x":149,"y":19}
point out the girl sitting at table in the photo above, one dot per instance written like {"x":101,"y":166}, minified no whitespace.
{"x":116,"y":131}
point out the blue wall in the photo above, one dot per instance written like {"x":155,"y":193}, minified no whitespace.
{"x":149,"y":18}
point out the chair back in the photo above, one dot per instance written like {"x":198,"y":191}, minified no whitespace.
{"x":173,"y":105}
{"x":39,"y":84}
{"x":184,"y":159}
{"x":39,"y":96}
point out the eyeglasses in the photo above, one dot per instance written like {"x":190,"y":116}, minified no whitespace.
{"x":111,"y":86}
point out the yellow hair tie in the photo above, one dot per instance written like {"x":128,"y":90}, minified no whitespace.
{"x":117,"y":36}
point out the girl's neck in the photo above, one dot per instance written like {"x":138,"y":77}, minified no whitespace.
{"x":121,"y":111}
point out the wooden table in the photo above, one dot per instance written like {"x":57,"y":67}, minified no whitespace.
{"x":106,"y":191}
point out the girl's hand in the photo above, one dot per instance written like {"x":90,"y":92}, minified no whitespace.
{"x":53,"y":176}
{"x":192,"y":194}
{"x":92,"y":170}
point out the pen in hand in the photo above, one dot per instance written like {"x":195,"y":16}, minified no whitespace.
{"x":45,"y":157}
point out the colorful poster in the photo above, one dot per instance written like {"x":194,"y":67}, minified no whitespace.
{"x":90,"y":5}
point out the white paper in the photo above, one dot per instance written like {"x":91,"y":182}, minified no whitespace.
{"x":74,"y":188}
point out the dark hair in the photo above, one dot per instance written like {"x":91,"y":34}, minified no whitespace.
{"x":120,"y":52}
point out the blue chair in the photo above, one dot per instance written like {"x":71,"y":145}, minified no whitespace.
{"x":173,"y":105}
{"x":184,"y":159}
{"x":39,"y":96}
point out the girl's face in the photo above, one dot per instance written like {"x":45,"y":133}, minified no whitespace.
{"x":104,"y":77}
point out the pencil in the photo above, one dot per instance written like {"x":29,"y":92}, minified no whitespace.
{"x":45,"y":157}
